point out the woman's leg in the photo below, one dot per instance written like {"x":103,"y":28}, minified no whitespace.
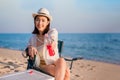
{"x":50,"y":69}
{"x":67,"y":74}
{"x":60,"y":69}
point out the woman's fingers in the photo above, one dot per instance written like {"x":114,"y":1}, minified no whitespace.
{"x":53,"y":45}
{"x":29,"y":51}
{"x":32,"y":51}
{"x":35,"y":51}
{"x":32,"y":55}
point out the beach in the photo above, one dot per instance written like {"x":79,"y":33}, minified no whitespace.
{"x":12,"y":61}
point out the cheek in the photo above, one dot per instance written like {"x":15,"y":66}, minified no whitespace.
{"x":41,"y":26}
{"x":44,"y":25}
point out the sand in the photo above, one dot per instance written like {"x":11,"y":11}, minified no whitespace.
{"x":11,"y":61}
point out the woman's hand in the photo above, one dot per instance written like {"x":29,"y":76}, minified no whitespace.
{"x":32,"y":51}
{"x":50,"y":40}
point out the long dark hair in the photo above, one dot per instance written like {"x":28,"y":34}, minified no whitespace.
{"x":36,"y":31}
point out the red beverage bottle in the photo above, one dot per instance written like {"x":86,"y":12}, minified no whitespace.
{"x":50,"y":50}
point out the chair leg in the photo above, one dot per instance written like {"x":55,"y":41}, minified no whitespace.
{"x":71,"y":64}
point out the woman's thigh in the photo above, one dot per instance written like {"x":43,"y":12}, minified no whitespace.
{"x":50,"y":69}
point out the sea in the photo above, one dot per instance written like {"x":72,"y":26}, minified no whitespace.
{"x":104,"y":47}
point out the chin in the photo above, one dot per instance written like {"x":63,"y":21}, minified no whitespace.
{"x":40,"y":30}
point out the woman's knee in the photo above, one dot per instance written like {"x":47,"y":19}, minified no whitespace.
{"x":61,"y":62}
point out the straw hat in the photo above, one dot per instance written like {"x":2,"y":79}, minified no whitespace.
{"x":43,"y":12}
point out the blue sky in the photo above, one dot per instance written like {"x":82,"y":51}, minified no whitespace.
{"x":69,"y":16}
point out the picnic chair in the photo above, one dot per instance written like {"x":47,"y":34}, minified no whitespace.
{"x":60,"y":48}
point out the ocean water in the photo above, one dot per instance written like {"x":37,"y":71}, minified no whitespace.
{"x":103,"y":47}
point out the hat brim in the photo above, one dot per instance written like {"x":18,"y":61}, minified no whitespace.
{"x":48,"y":16}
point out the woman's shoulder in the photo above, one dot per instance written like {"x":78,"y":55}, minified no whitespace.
{"x":53,"y":30}
{"x":33,"y":36}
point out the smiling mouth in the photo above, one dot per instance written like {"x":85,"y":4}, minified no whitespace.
{"x":39,"y":26}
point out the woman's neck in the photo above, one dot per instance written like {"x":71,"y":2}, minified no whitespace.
{"x":40,"y":39}
{"x":40,"y":35}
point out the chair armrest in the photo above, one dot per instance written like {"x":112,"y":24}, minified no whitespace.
{"x":73,"y":59}
{"x":25,"y":53}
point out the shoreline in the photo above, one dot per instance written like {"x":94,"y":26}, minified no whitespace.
{"x":103,"y":61}
{"x":12,"y":61}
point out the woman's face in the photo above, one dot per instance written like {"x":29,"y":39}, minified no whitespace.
{"x":41,"y":23}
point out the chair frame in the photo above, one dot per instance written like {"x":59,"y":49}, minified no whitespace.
{"x":60,"y":48}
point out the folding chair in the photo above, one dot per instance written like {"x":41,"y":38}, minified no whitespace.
{"x":60,"y":48}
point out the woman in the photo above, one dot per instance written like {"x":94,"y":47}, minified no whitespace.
{"x":43,"y":44}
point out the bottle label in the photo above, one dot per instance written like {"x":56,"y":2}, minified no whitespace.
{"x":50,"y":50}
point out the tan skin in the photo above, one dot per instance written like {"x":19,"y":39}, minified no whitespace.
{"x":58,"y":69}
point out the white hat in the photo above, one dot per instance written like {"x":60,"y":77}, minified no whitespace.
{"x":43,"y":12}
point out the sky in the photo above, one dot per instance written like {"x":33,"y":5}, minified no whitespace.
{"x":69,"y":16}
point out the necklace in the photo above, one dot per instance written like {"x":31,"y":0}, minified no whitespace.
{"x":40,"y":39}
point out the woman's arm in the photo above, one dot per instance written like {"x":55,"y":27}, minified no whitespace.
{"x":53,"y":36}
{"x":30,"y":49}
